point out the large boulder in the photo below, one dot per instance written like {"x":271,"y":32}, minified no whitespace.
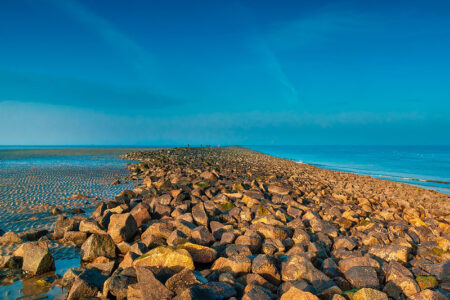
{"x":181,"y":281}
{"x":390,"y":252}
{"x":295,"y":293}
{"x":10,"y":238}
{"x":37,"y":259}
{"x":299,"y":267}
{"x":141,"y":214}
{"x":116,"y":285}
{"x":236,"y":265}
{"x":98,"y":245}
{"x":270,"y":231}
{"x":150,"y":287}
{"x":91,"y":226}
{"x":369,"y":294}
{"x":362,"y":276}
{"x":209,"y":291}
{"x":64,"y":224}
{"x":361,"y":261}
{"x":122,"y":227}
{"x":86,"y":285}
{"x":266,"y":266}
{"x":199,"y":253}
{"x":165,"y":257}
{"x":199,"y":214}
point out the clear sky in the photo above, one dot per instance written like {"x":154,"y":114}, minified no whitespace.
{"x":224,"y":72}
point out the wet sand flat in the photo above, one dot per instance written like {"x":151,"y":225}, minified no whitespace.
{"x":35,"y":181}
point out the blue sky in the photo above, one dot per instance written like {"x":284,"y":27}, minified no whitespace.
{"x":224,"y":72}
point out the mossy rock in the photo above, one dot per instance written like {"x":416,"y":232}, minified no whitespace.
{"x":226,"y":206}
{"x":202,"y":185}
{"x":262,"y":211}
{"x":438,"y":251}
{"x":427,"y":282}
{"x":349,"y":293}
{"x":238,"y":187}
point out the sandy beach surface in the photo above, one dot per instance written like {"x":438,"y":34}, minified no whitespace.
{"x":218,"y":223}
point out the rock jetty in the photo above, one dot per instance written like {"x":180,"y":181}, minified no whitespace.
{"x":231,"y":223}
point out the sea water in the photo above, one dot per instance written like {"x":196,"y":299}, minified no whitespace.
{"x":425,"y":166}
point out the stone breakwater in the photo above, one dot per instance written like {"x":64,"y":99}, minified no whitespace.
{"x":231,"y":223}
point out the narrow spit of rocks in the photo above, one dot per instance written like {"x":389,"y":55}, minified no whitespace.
{"x":231,"y":223}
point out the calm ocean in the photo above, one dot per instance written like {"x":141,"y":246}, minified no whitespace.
{"x":425,"y":166}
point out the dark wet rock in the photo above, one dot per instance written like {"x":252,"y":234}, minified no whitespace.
{"x":200,"y":253}
{"x":36,"y":259}
{"x":176,"y":238}
{"x":266,"y":266}
{"x":33,"y":235}
{"x":56,"y":211}
{"x":99,"y":210}
{"x":255,"y":292}
{"x":77,"y":211}
{"x":103,"y":265}
{"x":330,"y":268}
{"x":141,"y":214}
{"x":10,"y":262}
{"x":233,"y":250}
{"x":362,"y":276}
{"x":202,"y":236}
{"x":236,"y":265}
{"x":98,"y":245}
{"x":150,"y":287}
{"x":181,"y":281}
{"x":76,"y":237}
{"x":91,"y":226}
{"x":199,"y":214}
{"x":122,"y":227}
{"x":70,"y":276}
{"x":116,"y":285}
{"x":64,"y":224}
{"x":88,"y":284}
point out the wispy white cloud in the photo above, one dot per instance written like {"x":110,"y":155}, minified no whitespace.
{"x":138,"y":57}
{"x":318,"y":28}
{"x":42,"y":88}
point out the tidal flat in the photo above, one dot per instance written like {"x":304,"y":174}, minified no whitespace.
{"x":39,"y":184}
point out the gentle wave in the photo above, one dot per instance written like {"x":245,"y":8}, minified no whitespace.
{"x":421,"y":182}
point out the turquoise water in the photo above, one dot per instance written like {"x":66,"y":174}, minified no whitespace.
{"x":425,"y":166}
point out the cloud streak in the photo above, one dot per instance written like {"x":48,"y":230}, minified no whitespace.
{"x":318,"y":28}
{"x":130,"y":50}
{"x":39,"y":88}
